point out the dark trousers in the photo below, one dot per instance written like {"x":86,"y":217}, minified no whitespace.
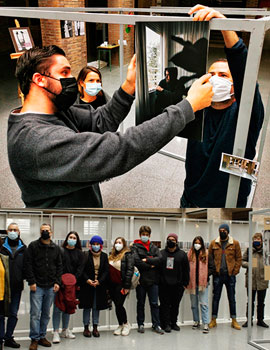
{"x":152,"y":292}
{"x":2,"y":321}
{"x":170,"y":297}
{"x":260,"y":303}
{"x":218,"y":282}
{"x":118,"y":298}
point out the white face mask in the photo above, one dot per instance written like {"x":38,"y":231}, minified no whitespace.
{"x":197,"y":246}
{"x":221,"y":88}
{"x":118,"y":246}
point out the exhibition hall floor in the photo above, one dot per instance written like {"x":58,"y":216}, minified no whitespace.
{"x":156,"y":183}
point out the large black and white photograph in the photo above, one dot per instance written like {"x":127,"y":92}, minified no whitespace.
{"x":239,"y":166}
{"x":21,"y":38}
{"x":170,"y":56}
{"x":79,"y":28}
{"x":66,"y":29}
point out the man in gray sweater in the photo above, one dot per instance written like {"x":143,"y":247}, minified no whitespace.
{"x":59,"y":153}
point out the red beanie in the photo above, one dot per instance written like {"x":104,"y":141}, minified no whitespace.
{"x":174,"y":235}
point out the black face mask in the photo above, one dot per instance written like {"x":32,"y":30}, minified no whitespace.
{"x":223,"y":235}
{"x":68,"y":95}
{"x":170,"y":244}
{"x":45,"y":235}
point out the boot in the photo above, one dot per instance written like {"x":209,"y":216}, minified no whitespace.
{"x":86,"y":332}
{"x":246,"y":324}
{"x":235,"y":324}
{"x":261,"y":323}
{"x":95,"y":331}
{"x":260,"y":316}
{"x":213,"y":323}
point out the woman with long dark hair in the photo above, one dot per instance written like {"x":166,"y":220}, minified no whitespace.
{"x":201,"y":266}
{"x":121,"y":271}
{"x":73,"y":263}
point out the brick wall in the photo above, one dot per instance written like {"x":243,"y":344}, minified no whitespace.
{"x":74,"y":47}
{"x":114,"y":34}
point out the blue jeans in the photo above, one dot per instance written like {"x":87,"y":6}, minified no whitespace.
{"x":152,"y":293}
{"x":56,"y":318}
{"x":229,"y":282}
{"x":201,"y":297}
{"x":95,"y":313}
{"x":40,"y":304}
{"x":13,"y":311}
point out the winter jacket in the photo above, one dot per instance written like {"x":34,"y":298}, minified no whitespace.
{"x":233,"y":255}
{"x":43,"y":264}
{"x":127,"y":270}
{"x":16,"y":264}
{"x":7,"y":295}
{"x":149,"y":273}
{"x":65,"y":299}
{"x":258,"y":281}
{"x":73,"y":261}
{"x":179,"y":274}
{"x":86,"y":295}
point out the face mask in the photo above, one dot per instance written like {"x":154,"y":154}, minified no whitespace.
{"x":256,"y":244}
{"x":71,"y":242}
{"x":221,"y":88}
{"x":45,"y":235}
{"x":12,"y":235}
{"x":170,"y":244}
{"x":95,"y":248}
{"x":223,"y":235}
{"x":144,"y":239}
{"x":118,"y":246}
{"x":92,"y":89}
{"x":197,"y":246}
{"x":68,"y":95}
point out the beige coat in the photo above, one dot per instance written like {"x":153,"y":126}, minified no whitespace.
{"x":258,"y":281}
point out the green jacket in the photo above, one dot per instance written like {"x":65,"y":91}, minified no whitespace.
{"x":7,"y":295}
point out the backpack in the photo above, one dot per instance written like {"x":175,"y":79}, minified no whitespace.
{"x":135,"y":278}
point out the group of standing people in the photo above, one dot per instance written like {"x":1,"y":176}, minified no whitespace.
{"x":66,"y":276}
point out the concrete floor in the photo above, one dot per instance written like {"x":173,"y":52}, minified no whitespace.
{"x":220,"y":338}
{"x":156,"y":183}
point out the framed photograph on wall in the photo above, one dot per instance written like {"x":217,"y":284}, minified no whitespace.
{"x":79,"y":28}
{"x":21,"y":38}
{"x":66,"y":29}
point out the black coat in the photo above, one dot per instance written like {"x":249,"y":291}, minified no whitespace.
{"x":73,"y":261}
{"x":16,"y":264}
{"x":43,"y":264}
{"x":148,"y":270}
{"x":127,"y":269}
{"x":86,"y":295}
{"x":179,"y":274}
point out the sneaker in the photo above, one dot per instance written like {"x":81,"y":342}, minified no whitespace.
{"x":141,"y":329}
{"x":44,"y":342}
{"x":158,"y":330}
{"x":10,"y":343}
{"x":167,"y":329}
{"x":66,"y":333}
{"x":205,"y":329}
{"x":126,"y":329}
{"x":56,"y":338}
{"x":175,"y":327}
{"x":118,"y":330}
{"x":196,"y":325}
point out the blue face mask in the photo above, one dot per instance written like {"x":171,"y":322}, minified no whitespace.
{"x":256,"y":244}
{"x":12,"y":235}
{"x":95,"y":248}
{"x":71,"y":242}
{"x":92,"y":89}
{"x":144,"y":239}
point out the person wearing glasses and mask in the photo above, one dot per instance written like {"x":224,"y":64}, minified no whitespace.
{"x":259,"y":284}
{"x":43,"y":269}
{"x":147,"y":258}
{"x":174,"y":277}
{"x":227,"y":256}
{"x":14,"y":248}
{"x":94,"y":285}
{"x":90,"y":88}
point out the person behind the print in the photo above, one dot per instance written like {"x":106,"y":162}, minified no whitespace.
{"x":174,"y":277}
{"x":94,"y":285}
{"x":201,"y":268}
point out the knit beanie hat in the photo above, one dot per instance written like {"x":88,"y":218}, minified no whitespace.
{"x":174,"y":235}
{"x":96,"y":239}
{"x":225,"y":227}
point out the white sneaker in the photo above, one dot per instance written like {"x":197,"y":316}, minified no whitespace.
{"x":126,"y":329}
{"x":205,"y":329}
{"x":66,"y":333}
{"x":118,"y":330}
{"x":56,"y":338}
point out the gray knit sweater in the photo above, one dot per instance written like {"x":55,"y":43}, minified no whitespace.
{"x":59,"y":159}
